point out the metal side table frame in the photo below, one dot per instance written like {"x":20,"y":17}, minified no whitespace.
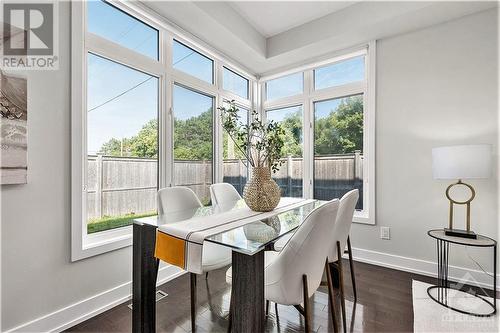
{"x":443,"y":286}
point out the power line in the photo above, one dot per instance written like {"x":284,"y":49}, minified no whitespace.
{"x":120,"y":94}
{"x":132,"y":88}
{"x":178,"y":61}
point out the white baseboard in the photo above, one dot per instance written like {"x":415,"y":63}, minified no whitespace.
{"x":423,"y":267}
{"x":78,"y":312}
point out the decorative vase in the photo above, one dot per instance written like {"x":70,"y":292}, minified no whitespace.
{"x":261,"y":193}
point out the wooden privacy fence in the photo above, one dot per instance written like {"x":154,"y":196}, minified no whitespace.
{"x":120,"y":185}
{"x":123,"y":185}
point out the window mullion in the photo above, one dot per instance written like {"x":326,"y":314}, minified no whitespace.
{"x":308,"y":135}
{"x":164,"y":128}
{"x":217,"y":126}
{"x":122,"y":55}
{"x":194,"y":83}
{"x":339,"y":91}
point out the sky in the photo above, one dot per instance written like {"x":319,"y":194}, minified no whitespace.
{"x":120,"y":100}
{"x":188,"y":103}
{"x":280,"y":114}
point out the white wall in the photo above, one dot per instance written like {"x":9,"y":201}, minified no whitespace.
{"x":436,"y":86}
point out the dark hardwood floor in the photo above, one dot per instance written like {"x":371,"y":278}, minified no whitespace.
{"x":384,"y":305}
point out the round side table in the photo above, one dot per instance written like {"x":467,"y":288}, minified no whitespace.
{"x":452,"y":296}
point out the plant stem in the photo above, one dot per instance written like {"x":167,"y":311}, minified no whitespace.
{"x":248,"y":157}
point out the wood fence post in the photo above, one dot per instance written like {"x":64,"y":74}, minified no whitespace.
{"x":289,"y":173}
{"x":357,"y":165}
{"x":240,"y":173}
{"x":98,"y":192}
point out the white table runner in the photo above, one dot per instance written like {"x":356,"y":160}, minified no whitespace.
{"x":181,"y":243}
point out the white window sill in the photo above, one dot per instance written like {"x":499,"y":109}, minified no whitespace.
{"x":102,"y":242}
{"x":363,"y":217}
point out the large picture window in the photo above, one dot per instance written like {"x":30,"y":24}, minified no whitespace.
{"x":290,"y":175}
{"x":143,"y":117}
{"x":193,"y":141}
{"x":122,"y":149}
{"x":327,"y":111}
{"x":338,"y":148}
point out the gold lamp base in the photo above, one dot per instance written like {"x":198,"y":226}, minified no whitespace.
{"x":459,"y":232}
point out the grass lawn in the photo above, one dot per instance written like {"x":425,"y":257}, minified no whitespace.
{"x":111,"y":222}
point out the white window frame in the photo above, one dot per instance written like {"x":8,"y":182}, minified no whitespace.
{"x":82,"y":244}
{"x":307,"y":99}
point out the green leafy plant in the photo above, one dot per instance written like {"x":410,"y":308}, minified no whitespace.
{"x":261,"y":143}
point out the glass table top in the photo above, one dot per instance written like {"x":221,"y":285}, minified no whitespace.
{"x":249,"y":238}
{"x":255,"y":236}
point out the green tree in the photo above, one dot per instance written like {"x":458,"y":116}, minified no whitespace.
{"x":292,"y":125}
{"x":339,"y":133}
{"x":192,"y":140}
{"x":342,"y":130}
{"x":193,"y":137}
{"x":116,"y":147}
{"x":145,"y":143}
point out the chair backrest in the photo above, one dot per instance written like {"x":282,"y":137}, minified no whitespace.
{"x":177,"y":198}
{"x":305,"y":253}
{"x":342,"y":228}
{"x":222,"y":193}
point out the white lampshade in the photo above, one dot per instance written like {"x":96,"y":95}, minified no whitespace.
{"x":461,"y":162}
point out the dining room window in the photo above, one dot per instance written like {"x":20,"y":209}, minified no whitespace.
{"x":193,"y":141}
{"x":340,"y":73}
{"x":144,"y":117}
{"x":122,"y":144}
{"x":122,"y":28}
{"x":191,"y":62}
{"x":234,"y":83}
{"x":338,"y":148}
{"x":328,"y":113}
{"x":290,"y":174}
{"x":285,"y":86}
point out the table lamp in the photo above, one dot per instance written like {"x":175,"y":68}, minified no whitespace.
{"x":461,"y":162}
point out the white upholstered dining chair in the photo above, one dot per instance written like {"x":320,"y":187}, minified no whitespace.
{"x":341,"y":232}
{"x":179,"y":198}
{"x":221,"y":193}
{"x":339,"y":241}
{"x":292,"y":275}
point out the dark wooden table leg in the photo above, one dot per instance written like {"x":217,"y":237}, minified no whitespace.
{"x":248,"y":293}
{"x":144,"y":273}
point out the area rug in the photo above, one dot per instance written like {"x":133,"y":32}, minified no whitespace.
{"x":429,"y":316}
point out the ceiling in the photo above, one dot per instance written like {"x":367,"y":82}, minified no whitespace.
{"x":266,"y":37}
{"x":270,"y":18}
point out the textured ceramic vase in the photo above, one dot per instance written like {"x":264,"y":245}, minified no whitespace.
{"x":261,"y":193}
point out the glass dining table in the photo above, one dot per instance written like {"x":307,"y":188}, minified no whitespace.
{"x":248,"y":243}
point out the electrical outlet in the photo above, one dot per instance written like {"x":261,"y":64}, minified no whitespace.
{"x":385,"y":233}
